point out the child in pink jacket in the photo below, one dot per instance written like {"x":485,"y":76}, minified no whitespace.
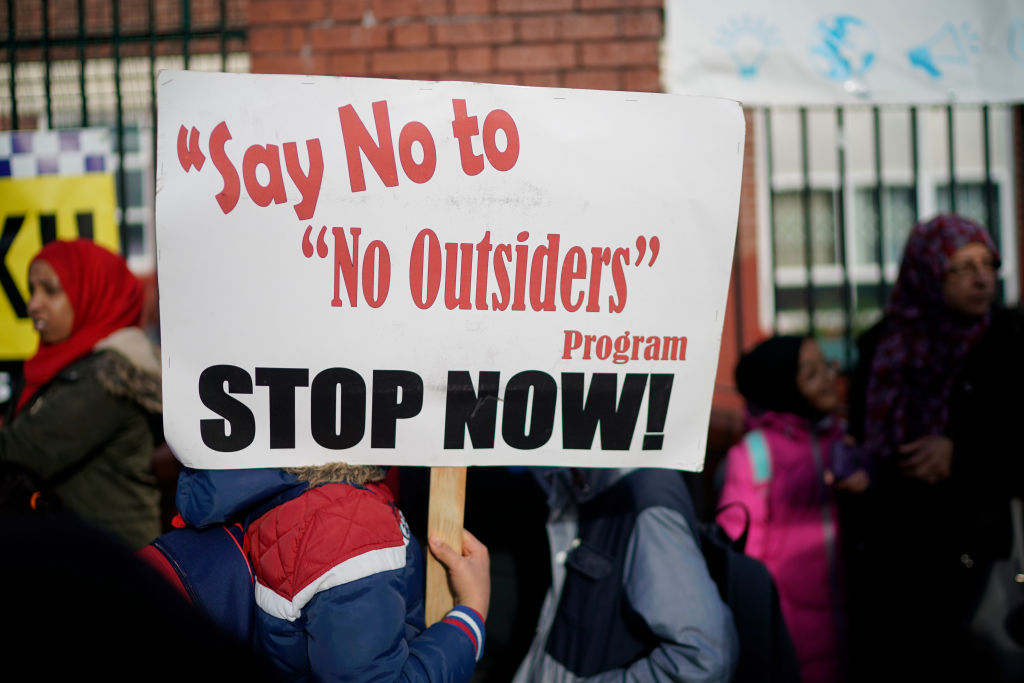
{"x":784,"y":472}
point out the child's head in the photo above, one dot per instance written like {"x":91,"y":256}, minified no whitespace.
{"x":816,"y":378}
{"x":788,"y":374}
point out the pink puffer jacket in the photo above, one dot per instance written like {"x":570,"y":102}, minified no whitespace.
{"x":777,"y":472}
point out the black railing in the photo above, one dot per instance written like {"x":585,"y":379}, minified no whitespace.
{"x":48,"y":32}
{"x":826,"y":288}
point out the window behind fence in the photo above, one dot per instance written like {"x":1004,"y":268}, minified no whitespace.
{"x":840,"y":189}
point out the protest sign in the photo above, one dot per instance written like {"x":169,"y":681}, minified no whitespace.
{"x":420,"y":273}
{"x":37,"y":210}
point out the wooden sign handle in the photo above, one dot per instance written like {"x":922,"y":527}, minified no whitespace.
{"x":444,"y":518}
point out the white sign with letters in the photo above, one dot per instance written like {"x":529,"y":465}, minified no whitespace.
{"x":399,"y":272}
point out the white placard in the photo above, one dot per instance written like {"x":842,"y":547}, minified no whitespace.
{"x":833,"y":52}
{"x":400,"y":272}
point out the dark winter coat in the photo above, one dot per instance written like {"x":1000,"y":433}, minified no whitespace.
{"x":918,"y":552}
{"x":89,"y":437}
{"x":966,"y":519}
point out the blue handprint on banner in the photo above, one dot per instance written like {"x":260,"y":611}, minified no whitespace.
{"x":843,"y":47}
{"x":949,"y":45}
{"x":1016,"y":45}
{"x":748,"y":42}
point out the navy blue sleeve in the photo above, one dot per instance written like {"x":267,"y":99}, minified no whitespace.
{"x":358,"y":632}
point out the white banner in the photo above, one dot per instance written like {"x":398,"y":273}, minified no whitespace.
{"x":832,"y":52}
{"x":398,"y":272}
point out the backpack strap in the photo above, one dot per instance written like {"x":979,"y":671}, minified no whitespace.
{"x":740,"y":543}
{"x":760,"y":458}
{"x":215,"y":573}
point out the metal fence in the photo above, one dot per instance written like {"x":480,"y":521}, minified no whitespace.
{"x":94,"y":63}
{"x":841,"y":189}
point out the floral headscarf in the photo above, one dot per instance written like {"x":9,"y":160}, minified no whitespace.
{"x":923,"y":344}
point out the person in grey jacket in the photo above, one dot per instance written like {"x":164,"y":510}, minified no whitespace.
{"x":631,"y":597}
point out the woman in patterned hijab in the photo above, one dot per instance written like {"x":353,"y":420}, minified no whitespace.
{"x":933,"y":374}
{"x":938,"y":311}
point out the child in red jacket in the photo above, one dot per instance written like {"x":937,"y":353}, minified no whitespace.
{"x":338,"y":577}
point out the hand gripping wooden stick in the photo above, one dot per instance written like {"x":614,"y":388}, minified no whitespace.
{"x":444,"y":518}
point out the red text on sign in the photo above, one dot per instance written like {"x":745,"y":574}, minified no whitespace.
{"x":257,"y":160}
{"x":539,"y":274}
{"x":623,"y":348}
{"x":380,"y":152}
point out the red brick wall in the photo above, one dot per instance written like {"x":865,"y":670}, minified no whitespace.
{"x":135,"y":19}
{"x":596,"y":44}
{"x":600,"y":44}
{"x":741,"y":329}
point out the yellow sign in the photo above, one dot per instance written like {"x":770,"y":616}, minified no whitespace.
{"x":35,"y":211}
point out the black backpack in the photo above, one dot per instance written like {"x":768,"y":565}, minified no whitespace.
{"x":746,"y":586}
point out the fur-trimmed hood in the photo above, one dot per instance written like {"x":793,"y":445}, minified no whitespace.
{"x":339,"y":472}
{"x":132,"y":369}
{"x":206,"y":497}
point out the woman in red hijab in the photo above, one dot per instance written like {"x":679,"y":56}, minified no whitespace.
{"x":89,"y":411}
